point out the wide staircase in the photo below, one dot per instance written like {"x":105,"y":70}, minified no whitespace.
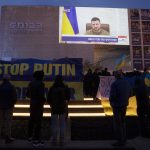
{"x":77,"y":108}
{"x":88,"y":122}
{"x":88,"y":119}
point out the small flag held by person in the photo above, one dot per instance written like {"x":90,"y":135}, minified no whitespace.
{"x":147,"y":79}
{"x":69,"y":21}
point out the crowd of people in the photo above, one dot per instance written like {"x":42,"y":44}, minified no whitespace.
{"x":58,"y":97}
{"x":91,"y":79}
{"x":120,"y":92}
{"x":91,"y":82}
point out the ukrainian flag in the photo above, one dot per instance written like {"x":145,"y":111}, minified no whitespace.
{"x":120,"y":63}
{"x":69,"y":21}
{"x":147,"y":79}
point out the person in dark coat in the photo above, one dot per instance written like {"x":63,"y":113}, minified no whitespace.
{"x":119,"y":100}
{"x":95,"y":83}
{"x":87,"y":83}
{"x":105,"y":72}
{"x":142,"y":101}
{"x":8,"y":97}
{"x":58,"y":97}
{"x":36,"y":93}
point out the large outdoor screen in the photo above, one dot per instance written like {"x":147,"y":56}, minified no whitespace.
{"x":92,"y":25}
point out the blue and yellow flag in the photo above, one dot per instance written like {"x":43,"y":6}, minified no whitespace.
{"x":69,"y":21}
{"x":120,"y":62}
{"x":147,"y":79}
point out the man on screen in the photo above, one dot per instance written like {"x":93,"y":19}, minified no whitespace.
{"x":96,"y":28}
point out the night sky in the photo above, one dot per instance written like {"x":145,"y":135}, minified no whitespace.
{"x":83,"y":3}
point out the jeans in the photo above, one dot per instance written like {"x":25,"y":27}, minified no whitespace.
{"x":58,"y":126}
{"x":120,"y":123}
{"x":35,"y":121}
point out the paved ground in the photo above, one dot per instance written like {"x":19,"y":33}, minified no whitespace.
{"x":138,"y":143}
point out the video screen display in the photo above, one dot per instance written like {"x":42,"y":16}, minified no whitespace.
{"x":90,"y":25}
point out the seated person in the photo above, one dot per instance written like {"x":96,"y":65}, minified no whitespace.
{"x":96,"y":28}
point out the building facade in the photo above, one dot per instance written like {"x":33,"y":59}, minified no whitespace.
{"x":33,"y":32}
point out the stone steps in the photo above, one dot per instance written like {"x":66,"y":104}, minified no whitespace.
{"x":75,"y":108}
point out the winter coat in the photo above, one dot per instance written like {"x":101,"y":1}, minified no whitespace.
{"x":8,"y":95}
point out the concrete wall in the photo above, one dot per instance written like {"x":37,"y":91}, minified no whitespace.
{"x":33,"y":32}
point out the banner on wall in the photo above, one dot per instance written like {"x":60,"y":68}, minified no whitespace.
{"x":21,"y":72}
{"x":104,"y":86}
{"x":106,"y":81}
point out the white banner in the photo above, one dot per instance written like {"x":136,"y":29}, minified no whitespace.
{"x":104,"y":86}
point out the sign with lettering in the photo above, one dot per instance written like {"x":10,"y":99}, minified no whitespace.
{"x":25,"y":27}
{"x":21,"y":72}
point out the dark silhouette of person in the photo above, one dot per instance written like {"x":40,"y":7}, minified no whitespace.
{"x":105,"y":72}
{"x":142,"y":101}
{"x":58,"y":97}
{"x":36,"y":93}
{"x":95,"y":83}
{"x":8,"y":97}
{"x":87,"y":83}
{"x":119,"y":99}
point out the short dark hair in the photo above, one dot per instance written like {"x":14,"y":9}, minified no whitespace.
{"x":95,"y":19}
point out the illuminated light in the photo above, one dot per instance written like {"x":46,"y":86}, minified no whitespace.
{"x":88,"y":99}
{"x":86,"y":114}
{"x":28,"y":114}
{"x":70,"y":114}
{"x":85,"y":106}
{"x":46,"y":106}
{"x":69,"y":106}
{"x":22,"y":106}
{"x":21,"y":114}
{"x":28,"y":106}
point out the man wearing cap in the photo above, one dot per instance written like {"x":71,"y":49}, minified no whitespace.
{"x":8,"y":98}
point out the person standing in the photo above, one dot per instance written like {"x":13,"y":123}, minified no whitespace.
{"x":142,"y":101}
{"x":8,"y":97}
{"x":96,"y":28}
{"x":58,"y":97}
{"x":119,"y":99}
{"x":36,"y":93}
{"x":95,"y":83}
{"x":87,"y":83}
